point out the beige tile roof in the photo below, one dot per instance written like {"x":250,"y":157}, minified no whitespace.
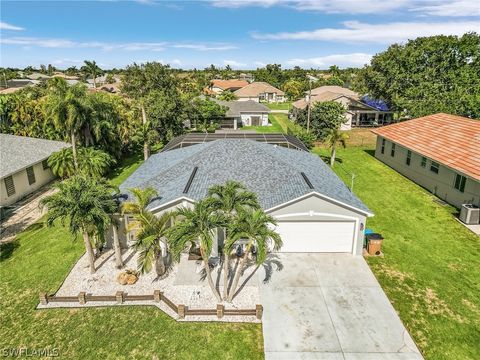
{"x":228,"y":84}
{"x":256,"y":88}
{"x":333,"y":89}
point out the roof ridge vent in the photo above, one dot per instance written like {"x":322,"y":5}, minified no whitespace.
{"x":307,"y":180}
{"x":190,"y":180}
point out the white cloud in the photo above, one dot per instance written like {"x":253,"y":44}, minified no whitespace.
{"x":203,"y":47}
{"x":234,"y":63}
{"x":354,"y":31}
{"x":6,"y":26}
{"x":259,"y":63}
{"x":341,"y":60}
{"x":451,"y":8}
{"x":131,"y":46}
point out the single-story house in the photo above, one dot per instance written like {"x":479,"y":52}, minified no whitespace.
{"x":315,"y":210}
{"x":217,"y":86}
{"x":358,"y":113}
{"x":244,"y":113}
{"x":439,"y":152}
{"x":23,"y":165}
{"x":260,"y":91}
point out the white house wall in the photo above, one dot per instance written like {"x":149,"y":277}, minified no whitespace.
{"x":246,"y":118}
{"x":22,"y":187}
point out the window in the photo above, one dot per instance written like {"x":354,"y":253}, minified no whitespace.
{"x":45,"y":165}
{"x":31,"y":175}
{"x":392,"y":152}
{"x":409,"y":157}
{"x":434,"y":166}
{"x":383,"y":146}
{"x":423,"y":164}
{"x":460,"y":181}
{"x":9,"y":185}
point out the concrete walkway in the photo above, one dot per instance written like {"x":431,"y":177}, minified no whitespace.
{"x":329,"y":306}
{"x":279,"y":111}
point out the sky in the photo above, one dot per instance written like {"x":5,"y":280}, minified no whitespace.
{"x":243,"y":34}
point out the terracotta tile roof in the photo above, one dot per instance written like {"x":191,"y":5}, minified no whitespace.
{"x":256,"y":88}
{"x":451,"y":140}
{"x":228,"y":84}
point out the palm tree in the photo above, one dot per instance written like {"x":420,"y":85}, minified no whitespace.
{"x":84,"y":204}
{"x":333,"y":138}
{"x":147,"y":135}
{"x":67,"y":106}
{"x":93,"y":70}
{"x":254,"y":226}
{"x":196,"y":225}
{"x":91,"y":162}
{"x":143,"y":197}
{"x":230,"y":199}
{"x":150,"y":239}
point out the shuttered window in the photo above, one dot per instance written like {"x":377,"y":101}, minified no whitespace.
{"x":460,"y":181}
{"x":409,"y":157}
{"x":45,"y":164}
{"x":9,"y":185}
{"x":31,"y":175}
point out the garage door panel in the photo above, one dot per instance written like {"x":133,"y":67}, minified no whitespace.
{"x":318,"y":236}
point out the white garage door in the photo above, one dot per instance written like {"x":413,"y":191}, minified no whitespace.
{"x":316,"y":236}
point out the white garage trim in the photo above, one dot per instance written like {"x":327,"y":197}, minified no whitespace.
{"x":335,"y":216}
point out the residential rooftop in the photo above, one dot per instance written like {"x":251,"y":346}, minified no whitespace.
{"x":451,"y":140}
{"x":235,"y":108}
{"x":256,"y":88}
{"x":276,"y":174}
{"x":20,"y":152}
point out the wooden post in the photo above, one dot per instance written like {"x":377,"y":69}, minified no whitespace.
{"x":43,"y":298}
{"x":220,"y":310}
{"x":81,"y":298}
{"x":259,"y":311}
{"x":157,"y":295}
{"x":119,"y":297}
{"x":182,"y":309}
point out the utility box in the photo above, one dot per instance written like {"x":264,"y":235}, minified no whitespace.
{"x":470,"y":214}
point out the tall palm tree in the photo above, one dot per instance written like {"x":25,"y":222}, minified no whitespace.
{"x":68,"y":108}
{"x":91,"y":68}
{"x":143,"y":197}
{"x":254,"y":226}
{"x":230,"y":199}
{"x":84,"y":204}
{"x":333,"y":138}
{"x":196,"y":225}
{"x":150,"y":239}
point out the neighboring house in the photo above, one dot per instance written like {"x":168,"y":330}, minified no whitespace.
{"x":439,"y":152}
{"x":14,"y":85}
{"x":246,"y":76}
{"x":358,"y":113}
{"x":23,"y":165}
{"x":244,"y":113}
{"x":37,"y":76}
{"x":260,"y":91}
{"x":315,"y":210}
{"x":218,"y":86}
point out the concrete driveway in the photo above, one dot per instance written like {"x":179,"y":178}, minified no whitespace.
{"x":329,"y":306}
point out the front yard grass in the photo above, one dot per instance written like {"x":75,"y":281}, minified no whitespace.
{"x":274,"y":128}
{"x":40,"y":259}
{"x":287,"y":105}
{"x":431,"y":267}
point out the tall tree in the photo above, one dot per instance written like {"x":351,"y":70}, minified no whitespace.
{"x":67,"y":106}
{"x":230,"y":199}
{"x":427,"y":75}
{"x":92,"y":69}
{"x":323,"y":117}
{"x":255,"y":227}
{"x":197,"y":225}
{"x":84,"y":206}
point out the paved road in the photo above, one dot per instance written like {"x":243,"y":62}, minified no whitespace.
{"x":330,"y":306}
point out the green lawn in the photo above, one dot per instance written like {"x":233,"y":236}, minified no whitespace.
{"x":40,"y":259}
{"x":287,"y":105}
{"x":431,"y":268}
{"x":280,"y":124}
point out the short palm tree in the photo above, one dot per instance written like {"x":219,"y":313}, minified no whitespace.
{"x":150,"y":241}
{"x":91,"y":68}
{"x":254,"y":226}
{"x":333,"y":138}
{"x":197,"y":225}
{"x":230,"y":199}
{"x":142,"y":197}
{"x":85,"y":205}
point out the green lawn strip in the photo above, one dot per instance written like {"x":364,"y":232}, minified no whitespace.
{"x":274,"y":128}
{"x":284,"y":122}
{"x":40,"y":259}
{"x":430,"y":271}
{"x":287,"y":105}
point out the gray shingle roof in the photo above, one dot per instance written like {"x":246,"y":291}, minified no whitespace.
{"x":19,"y":152}
{"x":235,"y":108}
{"x":272,"y":172}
